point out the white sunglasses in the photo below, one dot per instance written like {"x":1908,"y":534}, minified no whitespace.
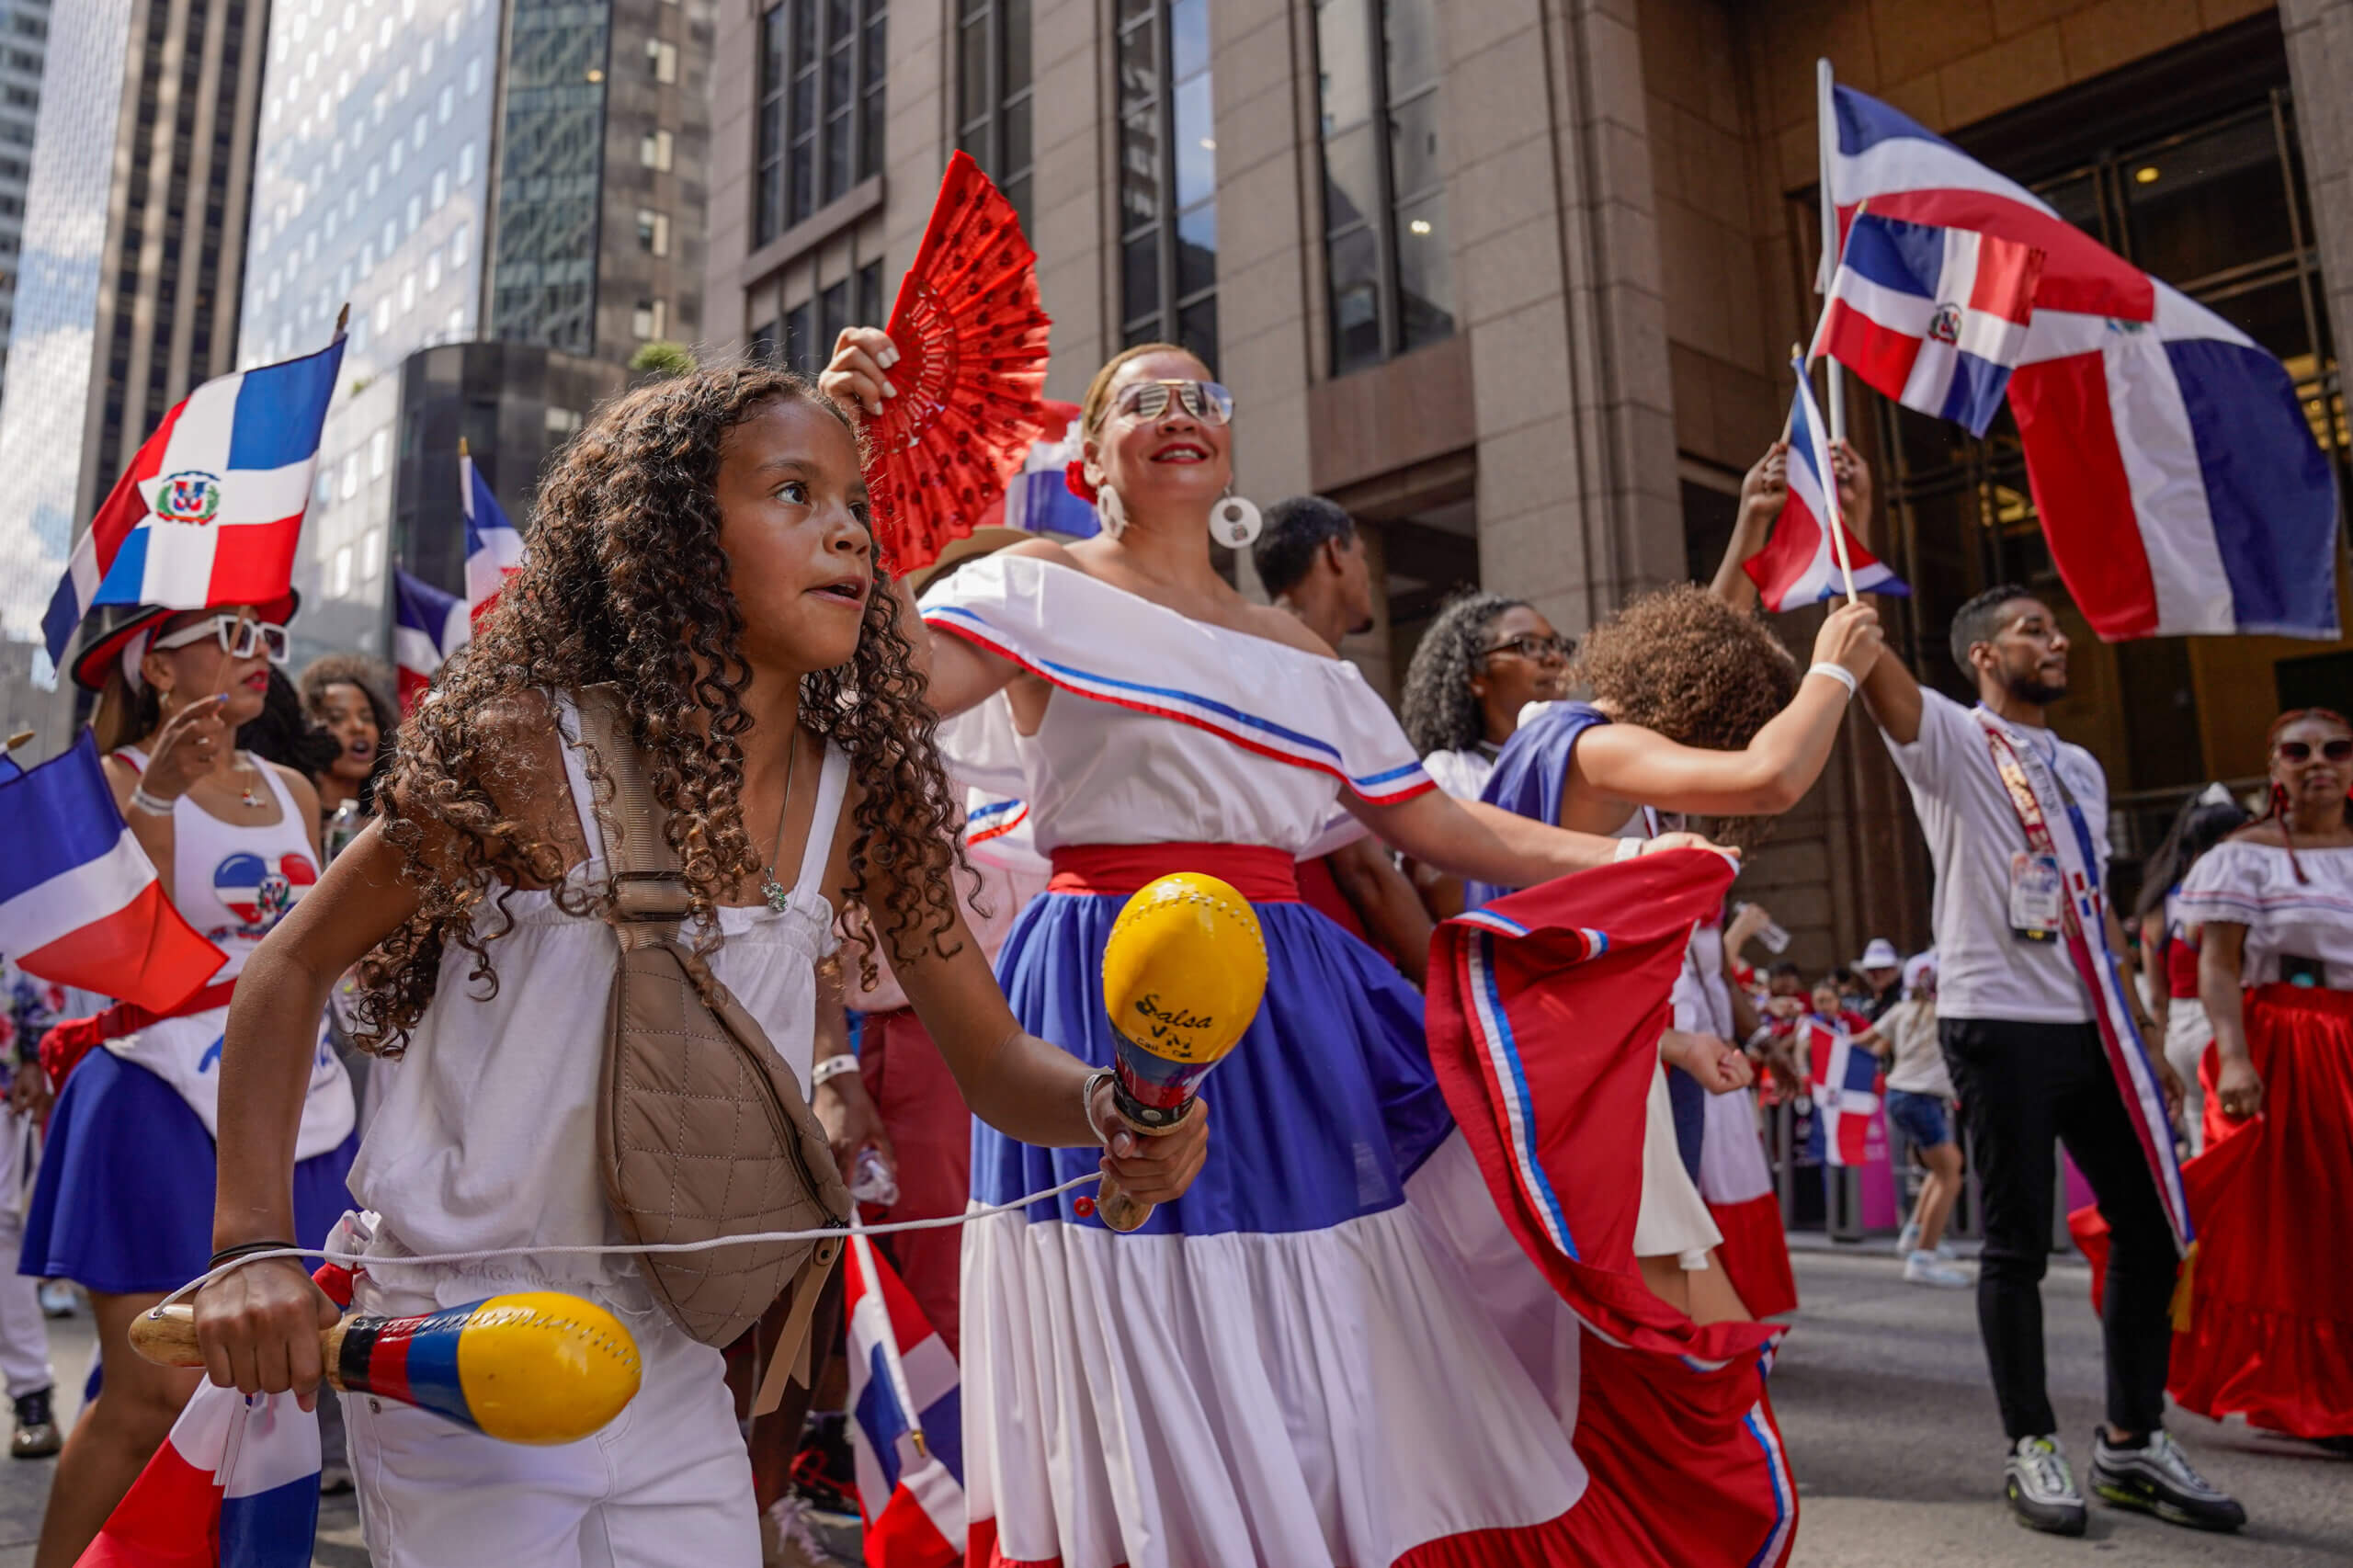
{"x":240,"y":637}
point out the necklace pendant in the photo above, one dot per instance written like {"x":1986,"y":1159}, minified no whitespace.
{"x":776,"y":892}
{"x":246,"y":796}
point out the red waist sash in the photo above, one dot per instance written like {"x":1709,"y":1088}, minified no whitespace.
{"x":62,"y":1048}
{"x":1260,"y":873}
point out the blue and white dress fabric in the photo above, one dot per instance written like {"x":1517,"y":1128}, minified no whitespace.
{"x":123,"y":1203}
{"x":1528,"y":781}
{"x":1330,"y":1351}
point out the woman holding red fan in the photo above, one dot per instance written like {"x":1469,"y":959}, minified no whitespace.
{"x":1329,"y":1351}
{"x":2270,"y":1322}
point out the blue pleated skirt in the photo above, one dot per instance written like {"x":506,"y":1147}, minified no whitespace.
{"x":123,"y":1203}
{"x":1319,"y":1115}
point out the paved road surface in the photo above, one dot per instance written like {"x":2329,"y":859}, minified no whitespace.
{"x":1890,"y":1427}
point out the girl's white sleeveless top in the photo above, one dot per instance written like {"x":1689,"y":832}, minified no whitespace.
{"x":485,"y":1134}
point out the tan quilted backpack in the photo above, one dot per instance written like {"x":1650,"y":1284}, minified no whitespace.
{"x":701,"y":1129}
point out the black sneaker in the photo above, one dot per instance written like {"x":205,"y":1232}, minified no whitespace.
{"x":37,"y":1436}
{"x":2042,"y":1489}
{"x":2157,"y":1479}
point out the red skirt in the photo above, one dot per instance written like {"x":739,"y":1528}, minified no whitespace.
{"x":2263,"y":1326}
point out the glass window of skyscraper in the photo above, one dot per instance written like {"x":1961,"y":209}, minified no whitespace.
{"x":1388,"y":251}
{"x":1167,"y":176}
{"x":821,"y":107}
{"x":993,"y":93}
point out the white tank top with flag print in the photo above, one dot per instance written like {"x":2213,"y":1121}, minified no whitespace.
{"x":233,"y":883}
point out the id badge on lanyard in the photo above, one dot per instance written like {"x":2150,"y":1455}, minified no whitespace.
{"x":2037,"y":897}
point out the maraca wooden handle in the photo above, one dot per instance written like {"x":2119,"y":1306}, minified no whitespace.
{"x":167,"y":1337}
{"x":1113,"y":1205}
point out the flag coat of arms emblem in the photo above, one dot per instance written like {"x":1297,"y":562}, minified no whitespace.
{"x":1935,"y":318}
{"x":209,"y":512}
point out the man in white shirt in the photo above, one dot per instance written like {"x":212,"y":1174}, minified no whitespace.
{"x":2017,"y":1025}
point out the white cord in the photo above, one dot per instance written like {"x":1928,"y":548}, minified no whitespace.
{"x":374,"y":1261}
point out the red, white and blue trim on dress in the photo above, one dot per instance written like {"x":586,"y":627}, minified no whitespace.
{"x":1101,"y":643}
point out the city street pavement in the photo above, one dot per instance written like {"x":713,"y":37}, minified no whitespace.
{"x":1892,"y":1433}
{"x":1890,"y":1428}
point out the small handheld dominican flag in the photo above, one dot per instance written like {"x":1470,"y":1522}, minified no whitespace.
{"x":1038,"y":498}
{"x":1935,"y":318}
{"x":1846,"y":1092}
{"x":428,"y":626}
{"x":908,"y":1427}
{"x":493,"y":549}
{"x":79,"y":901}
{"x":210,"y":509}
{"x":234,"y":1485}
{"x":1798,"y":565}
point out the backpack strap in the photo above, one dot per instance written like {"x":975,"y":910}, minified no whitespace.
{"x":648,"y":895}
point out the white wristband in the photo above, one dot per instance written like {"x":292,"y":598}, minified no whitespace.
{"x":831,"y":1068}
{"x":1627,"y":848}
{"x":155,"y":806}
{"x":1838,"y":672}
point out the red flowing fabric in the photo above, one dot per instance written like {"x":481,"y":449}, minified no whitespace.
{"x":1545,"y":1011}
{"x":2266,"y":1330}
{"x":1258,"y":873}
{"x":1756,"y":1255}
{"x":69,"y":1040}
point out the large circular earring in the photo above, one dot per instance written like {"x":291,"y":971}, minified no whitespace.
{"x":1110,"y":511}
{"x":1236,"y":521}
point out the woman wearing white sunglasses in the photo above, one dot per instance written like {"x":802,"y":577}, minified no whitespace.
{"x":123,"y":1203}
{"x":1328,"y":1351}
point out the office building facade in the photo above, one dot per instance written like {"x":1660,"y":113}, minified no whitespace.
{"x":524,"y":173}
{"x":131,"y":254}
{"x":1516,"y":280}
{"x":24,"y":47}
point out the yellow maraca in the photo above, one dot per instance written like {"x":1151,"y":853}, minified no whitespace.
{"x":537,"y":1366}
{"x":1184,"y":970}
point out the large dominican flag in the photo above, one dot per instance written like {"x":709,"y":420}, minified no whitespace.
{"x":1935,"y":318}
{"x":1798,"y":565}
{"x":428,"y":626}
{"x":79,"y":901}
{"x":2179,"y":485}
{"x":908,"y":1425}
{"x":211,"y":510}
{"x":493,"y":549}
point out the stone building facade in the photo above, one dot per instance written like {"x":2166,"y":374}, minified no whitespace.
{"x":1516,"y":280}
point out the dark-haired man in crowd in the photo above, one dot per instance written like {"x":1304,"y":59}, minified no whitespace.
{"x":1313,"y":562}
{"x":2013,"y":815}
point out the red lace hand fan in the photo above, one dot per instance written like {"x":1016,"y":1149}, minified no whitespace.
{"x":972,"y":343}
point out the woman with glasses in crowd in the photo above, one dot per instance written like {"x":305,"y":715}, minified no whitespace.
{"x":1483,"y":658}
{"x":2270,"y":1327}
{"x":123,"y":1203}
{"x":1327,"y":1351}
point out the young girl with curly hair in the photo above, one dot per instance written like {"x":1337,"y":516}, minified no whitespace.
{"x":703,"y":547}
{"x":1695,"y":708}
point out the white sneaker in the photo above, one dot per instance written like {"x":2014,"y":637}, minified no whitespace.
{"x":1926,"y":1268}
{"x":1907,"y":1242}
